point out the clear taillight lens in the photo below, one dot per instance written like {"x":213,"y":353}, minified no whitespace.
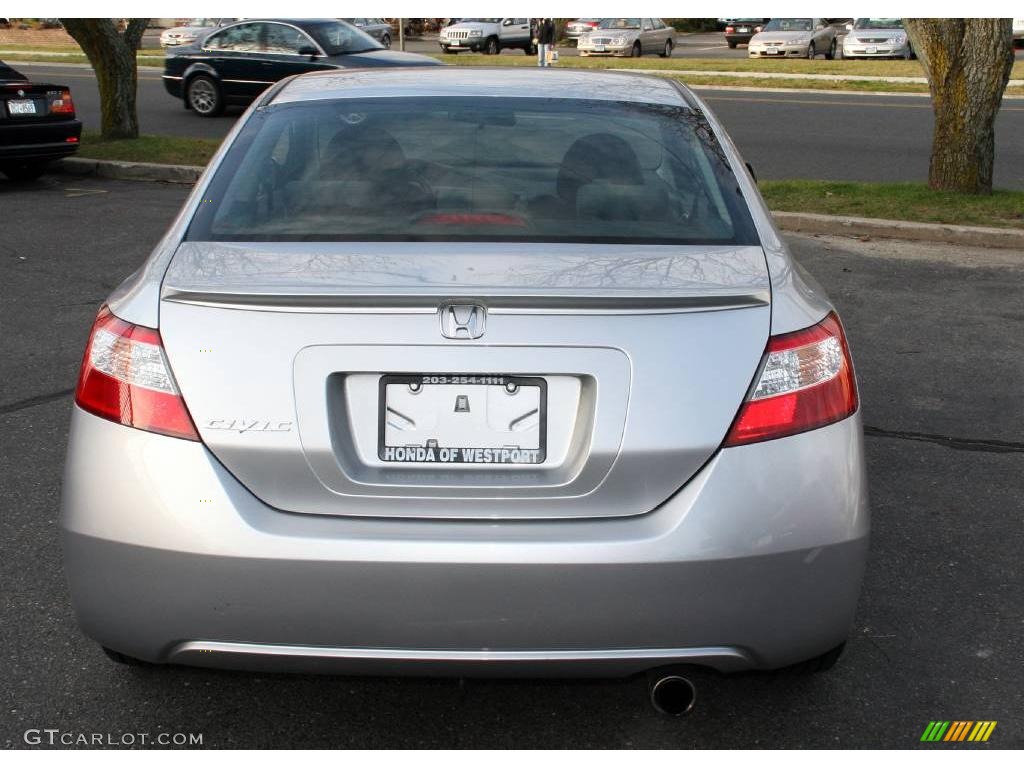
{"x":806,"y":382}
{"x":125,"y":378}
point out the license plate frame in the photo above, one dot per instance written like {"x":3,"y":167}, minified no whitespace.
{"x":21,"y":107}
{"x":771,"y":50}
{"x":871,"y":49}
{"x":465,"y":455}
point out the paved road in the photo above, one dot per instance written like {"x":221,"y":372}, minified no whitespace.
{"x":938,"y":336}
{"x":840,"y":136}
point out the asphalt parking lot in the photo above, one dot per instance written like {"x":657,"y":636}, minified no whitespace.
{"x":938,"y":338}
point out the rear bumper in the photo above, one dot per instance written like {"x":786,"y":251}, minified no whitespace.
{"x":43,"y":141}
{"x":756,"y":563}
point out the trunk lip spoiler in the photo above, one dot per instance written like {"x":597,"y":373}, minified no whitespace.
{"x":579,"y":302}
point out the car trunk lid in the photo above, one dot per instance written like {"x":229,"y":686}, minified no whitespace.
{"x":604,"y":378}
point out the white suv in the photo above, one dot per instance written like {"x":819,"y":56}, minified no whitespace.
{"x":487,"y":36}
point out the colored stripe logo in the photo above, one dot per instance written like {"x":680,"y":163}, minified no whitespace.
{"x":958,"y":730}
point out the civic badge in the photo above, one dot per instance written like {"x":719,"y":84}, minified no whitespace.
{"x":462,"y":321}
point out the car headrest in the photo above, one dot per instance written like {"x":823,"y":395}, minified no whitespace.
{"x":593,"y":157}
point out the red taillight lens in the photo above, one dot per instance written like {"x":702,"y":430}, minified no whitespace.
{"x":729,"y":30}
{"x":125,"y":378}
{"x":806,"y":382}
{"x":62,"y":104}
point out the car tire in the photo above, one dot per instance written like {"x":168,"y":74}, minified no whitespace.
{"x":822,"y":663}
{"x":120,"y":658}
{"x":811,"y":52}
{"x":667,"y":53}
{"x":491,"y":47}
{"x":637,"y":51}
{"x":831,"y":50}
{"x":24,"y":171}
{"x":731,"y":43}
{"x":204,"y":96}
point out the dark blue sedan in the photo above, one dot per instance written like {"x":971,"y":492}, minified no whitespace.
{"x":234,"y":64}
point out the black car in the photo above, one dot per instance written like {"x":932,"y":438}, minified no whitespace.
{"x":741,"y":30}
{"x":37,"y":125}
{"x":234,"y":64}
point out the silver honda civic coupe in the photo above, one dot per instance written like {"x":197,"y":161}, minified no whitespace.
{"x":469,"y":372}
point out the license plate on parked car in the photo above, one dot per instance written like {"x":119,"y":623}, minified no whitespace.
{"x":771,"y":49}
{"x":871,"y":49}
{"x":743,"y":29}
{"x":599,"y":48}
{"x":462,"y":419}
{"x":22,"y":107}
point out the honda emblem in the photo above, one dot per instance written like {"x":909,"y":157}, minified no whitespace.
{"x":462,"y":321}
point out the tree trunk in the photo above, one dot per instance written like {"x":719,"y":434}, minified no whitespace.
{"x":967,"y":63}
{"x":112,"y":55}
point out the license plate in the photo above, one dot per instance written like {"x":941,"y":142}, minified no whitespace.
{"x":462,"y":419}
{"x":24,"y":107}
{"x":871,"y":49}
{"x":771,"y":49}
{"x":600,"y":48}
{"x":743,"y":29}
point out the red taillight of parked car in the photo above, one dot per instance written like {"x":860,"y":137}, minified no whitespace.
{"x":125,"y":378}
{"x":806,"y":382}
{"x":730,"y":30}
{"x":62,"y":104}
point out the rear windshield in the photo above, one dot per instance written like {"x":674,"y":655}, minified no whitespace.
{"x":475,"y":169}
{"x":11,"y":74}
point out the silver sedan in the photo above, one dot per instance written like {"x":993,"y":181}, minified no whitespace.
{"x":628,"y":37}
{"x":788,"y":38}
{"x":400,"y":407}
{"x":877,"y":39}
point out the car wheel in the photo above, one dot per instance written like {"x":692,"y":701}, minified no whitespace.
{"x":492,"y":48}
{"x":908,"y":54}
{"x":822,"y":663}
{"x":120,"y":658}
{"x":811,"y":53}
{"x":831,"y":50}
{"x":667,"y":53}
{"x":386,"y":41}
{"x":637,"y":52}
{"x":204,"y":96}
{"x":731,"y":43}
{"x":29,"y":170}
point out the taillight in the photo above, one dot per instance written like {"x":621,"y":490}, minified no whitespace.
{"x":806,"y":382}
{"x":125,"y":378}
{"x":62,"y":104}
{"x":729,"y":30}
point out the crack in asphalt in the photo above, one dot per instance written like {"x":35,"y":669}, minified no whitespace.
{"x":956,"y":443}
{"x":31,"y":402}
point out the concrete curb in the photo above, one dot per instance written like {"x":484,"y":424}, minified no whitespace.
{"x":807,"y":223}
{"x":116,"y":169}
{"x":852,"y":226}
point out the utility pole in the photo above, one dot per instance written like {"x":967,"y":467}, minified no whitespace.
{"x":401,"y":34}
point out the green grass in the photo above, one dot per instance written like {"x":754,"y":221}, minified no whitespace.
{"x":146,"y":59}
{"x":908,"y":202}
{"x":170,"y":150}
{"x":881,"y":68}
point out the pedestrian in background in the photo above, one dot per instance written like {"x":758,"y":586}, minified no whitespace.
{"x":544,"y":39}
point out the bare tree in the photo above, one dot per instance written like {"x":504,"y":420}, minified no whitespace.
{"x":112,"y":54}
{"x":967,"y":63}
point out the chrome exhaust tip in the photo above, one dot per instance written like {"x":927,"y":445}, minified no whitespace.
{"x":673,"y":695}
